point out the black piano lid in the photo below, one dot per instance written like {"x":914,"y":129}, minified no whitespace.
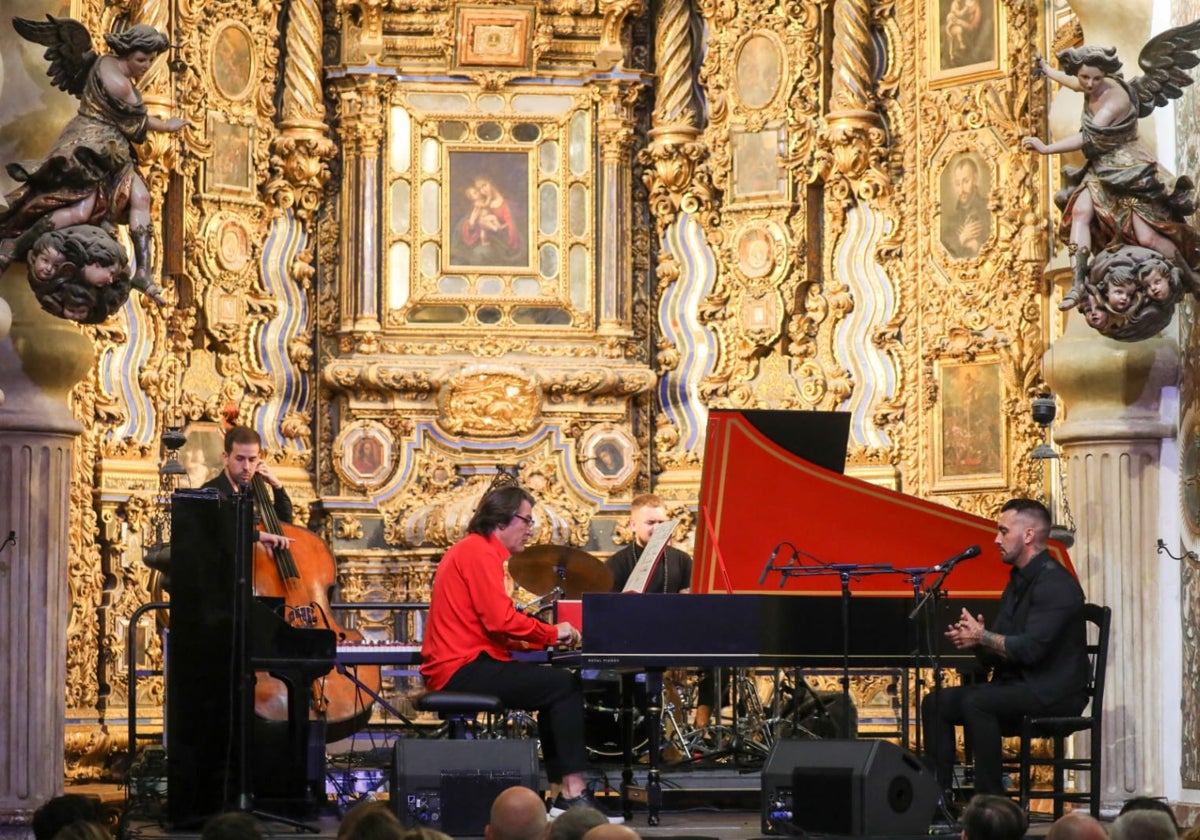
{"x":819,"y":437}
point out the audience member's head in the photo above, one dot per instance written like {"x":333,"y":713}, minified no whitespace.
{"x":575,"y":822}
{"x":1150,"y":803}
{"x":989,"y":817}
{"x":424,"y":832}
{"x":370,"y":821}
{"x":518,"y":813}
{"x":1144,"y":825}
{"x":1192,"y":833}
{"x":61,"y":811}
{"x":83,"y":830}
{"x":1077,"y":826}
{"x":612,"y":832}
{"x":232,"y":825}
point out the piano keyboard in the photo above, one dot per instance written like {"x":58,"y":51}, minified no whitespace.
{"x":378,"y":653}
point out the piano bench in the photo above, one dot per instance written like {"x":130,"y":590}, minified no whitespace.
{"x":458,"y":708}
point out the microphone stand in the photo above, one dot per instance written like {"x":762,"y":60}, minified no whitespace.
{"x":844,"y":571}
{"x":933,"y":593}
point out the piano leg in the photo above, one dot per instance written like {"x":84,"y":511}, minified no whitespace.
{"x":629,"y":790}
{"x":654,"y":684}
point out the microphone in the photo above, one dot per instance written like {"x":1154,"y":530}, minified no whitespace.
{"x":770,"y":562}
{"x":966,"y":554}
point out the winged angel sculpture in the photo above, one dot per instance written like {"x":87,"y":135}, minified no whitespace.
{"x":1123,"y":217}
{"x":61,"y":217}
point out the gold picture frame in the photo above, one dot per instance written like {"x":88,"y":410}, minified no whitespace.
{"x":966,"y":40}
{"x":970,"y":429}
{"x":230,"y":170}
{"x":491,"y":205}
{"x":486,"y":36}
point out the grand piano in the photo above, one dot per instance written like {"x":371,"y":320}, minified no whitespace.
{"x":219,"y":757}
{"x":799,"y":565}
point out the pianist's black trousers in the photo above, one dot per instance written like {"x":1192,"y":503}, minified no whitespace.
{"x":984,"y":710}
{"x":556,"y":694}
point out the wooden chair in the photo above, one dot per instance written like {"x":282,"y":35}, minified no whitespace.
{"x":1058,"y":729}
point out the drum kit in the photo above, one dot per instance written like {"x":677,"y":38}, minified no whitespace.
{"x":760,"y":710}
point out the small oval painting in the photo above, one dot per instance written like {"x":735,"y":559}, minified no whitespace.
{"x":232,"y":61}
{"x":758,"y":71}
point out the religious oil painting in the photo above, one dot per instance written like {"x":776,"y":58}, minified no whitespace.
{"x":230,"y":169}
{"x":967,"y":40}
{"x":365,"y":454}
{"x":969,"y":426}
{"x":757,"y":173}
{"x":489,"y":203}
{"x":232,"y":60}
{"x":493,"y":37}
{"x":759,"y":69}
{"x":608,"y":457}
{"x":756,"y":252}
{"x":965,"y":188}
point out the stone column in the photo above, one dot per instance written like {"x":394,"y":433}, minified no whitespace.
{"x":40,"y":360}
{"x":1111,"y":440}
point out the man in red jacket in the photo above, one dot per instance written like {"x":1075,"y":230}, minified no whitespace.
{"x":473,"y":625}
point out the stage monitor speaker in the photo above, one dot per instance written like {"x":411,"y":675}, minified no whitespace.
{"x":861,"y":788}
{"x":450,"y":785}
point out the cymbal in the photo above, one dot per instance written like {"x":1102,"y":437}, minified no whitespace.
{"x":540,"y":568}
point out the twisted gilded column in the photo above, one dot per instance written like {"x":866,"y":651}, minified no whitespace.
{"x":673,"y":155}
{"x":40,"y":360}
{"x":1111,"y":438}
{"x":362,"y":131}
{"x":854,"y":139}
{"x":301,"y":150}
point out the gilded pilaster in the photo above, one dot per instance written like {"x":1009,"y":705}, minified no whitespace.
{"x":616,"y":130}
{"x":362,"y":130}
{"x":1112,"y":439}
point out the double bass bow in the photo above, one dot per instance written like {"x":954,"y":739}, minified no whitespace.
{"x":301,"y":572}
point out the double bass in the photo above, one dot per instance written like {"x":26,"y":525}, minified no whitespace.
{"x":302,"y":574}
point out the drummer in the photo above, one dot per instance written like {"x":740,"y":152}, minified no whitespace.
{"x":673,"y":573}
{"x":473,"y":625}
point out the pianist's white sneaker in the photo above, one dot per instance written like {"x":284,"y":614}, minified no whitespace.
{"x":561,"y":805}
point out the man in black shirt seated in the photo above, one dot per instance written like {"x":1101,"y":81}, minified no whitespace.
{"x":242,"y":461}
{"x":1036,"y":651}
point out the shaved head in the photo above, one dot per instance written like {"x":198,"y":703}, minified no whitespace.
{"x":518,"y":813}
{"x":1077,"y":826}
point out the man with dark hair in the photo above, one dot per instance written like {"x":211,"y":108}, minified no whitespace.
{"x":989,"y":817}
{"x":61,"y":811}
{"x":1036,"y":652}
{"x":473,"y":625}
{"x":242,"y":461}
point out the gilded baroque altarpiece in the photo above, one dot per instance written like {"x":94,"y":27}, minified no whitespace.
{"x":414,"y":243}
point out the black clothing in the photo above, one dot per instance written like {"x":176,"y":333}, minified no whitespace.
{"x":673,"y":572}
{"x":283,"y":503}
{"x":1045,"y":672}
{"x":556,"y":694}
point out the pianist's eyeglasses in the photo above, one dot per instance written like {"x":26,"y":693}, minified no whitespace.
{"x":528,"y":520}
